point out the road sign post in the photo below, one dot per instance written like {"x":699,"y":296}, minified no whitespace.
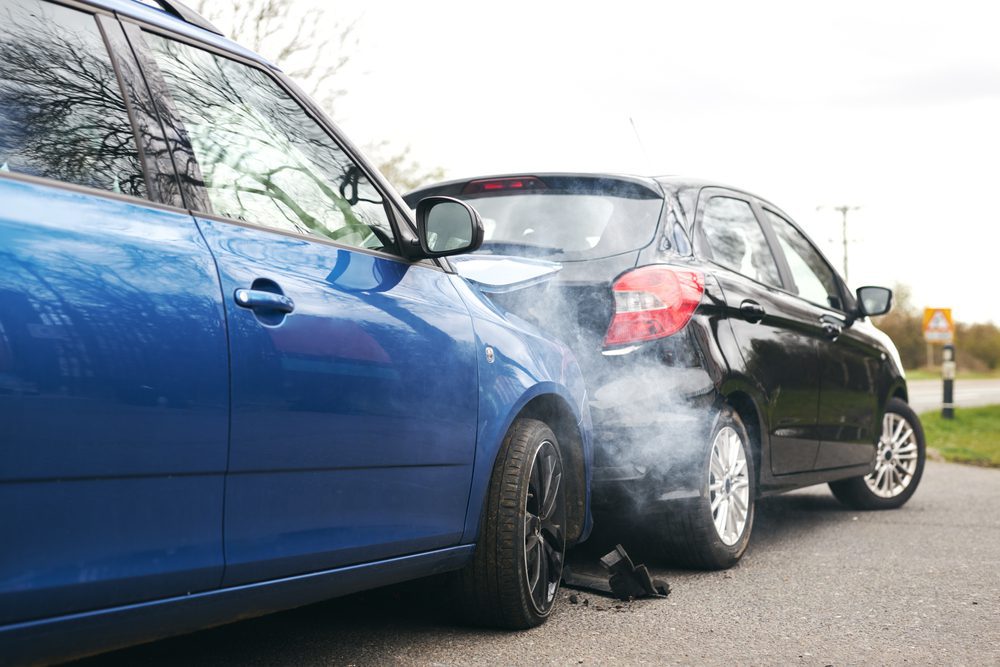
{"x":939,"y":329}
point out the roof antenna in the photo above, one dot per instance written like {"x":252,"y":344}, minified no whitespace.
{"x":638,"y":140}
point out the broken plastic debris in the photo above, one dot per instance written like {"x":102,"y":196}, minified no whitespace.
{"x":625,"y":581}
{"x":582,"y":580}
{"x":630,"y":581}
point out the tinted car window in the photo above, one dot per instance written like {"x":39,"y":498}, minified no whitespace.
{"x":568,"y":226}
{"x":62,"y":114}
{"x":263,"y":159}
{"x":814,"y":279}
{"x":737,"y":241}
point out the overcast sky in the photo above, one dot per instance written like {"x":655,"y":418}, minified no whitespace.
{"x":893,"y":107}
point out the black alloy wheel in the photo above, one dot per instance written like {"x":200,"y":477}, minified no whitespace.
{"x":544,"y":527}
{"x":515,"y":572}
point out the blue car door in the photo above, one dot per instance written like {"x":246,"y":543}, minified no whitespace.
{"x":113,"y":359}
{"x":354,"y":386}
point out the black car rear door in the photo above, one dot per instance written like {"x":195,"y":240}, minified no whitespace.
{"x":849,"y":362}
{"x":778,"y":333}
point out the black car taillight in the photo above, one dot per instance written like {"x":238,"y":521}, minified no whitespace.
{"x":653,"y":302}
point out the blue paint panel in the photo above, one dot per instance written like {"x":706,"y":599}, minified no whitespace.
{"x":342,"y":516}
{"x":58,"y":639}
{"x":354,"y":416}
{"x":527,"y":364}
{"x":84,"y":544}
{"x":114,"y":399}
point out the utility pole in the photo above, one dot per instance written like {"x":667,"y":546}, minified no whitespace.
{"x":843,"y":212}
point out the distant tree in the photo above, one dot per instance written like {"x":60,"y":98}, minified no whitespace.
{"x":977,"y":346}
{"x":904,"y":325}
{"x":313,"y":48}
{"x":402,"y":171}
{"x":981,"y":343}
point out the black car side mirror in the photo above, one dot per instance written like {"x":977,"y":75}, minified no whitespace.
{"x":874,"y":300}
{"x":447,"y":226}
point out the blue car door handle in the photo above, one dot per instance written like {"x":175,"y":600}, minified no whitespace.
{"x":259,"y":299}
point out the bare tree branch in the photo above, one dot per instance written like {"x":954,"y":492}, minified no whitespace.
{"x":313,"y":49}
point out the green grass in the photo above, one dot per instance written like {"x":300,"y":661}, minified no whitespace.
{"x":935,"y":374}
{"x":973,"y":436}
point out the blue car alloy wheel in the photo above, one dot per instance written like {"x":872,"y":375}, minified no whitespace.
{"x":515,"y":574}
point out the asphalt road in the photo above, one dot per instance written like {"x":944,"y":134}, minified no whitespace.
{"x":927,"y":394}
{"x":820,"y":585}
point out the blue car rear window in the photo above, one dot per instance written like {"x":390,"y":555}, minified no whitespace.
{"x":62,"y":113}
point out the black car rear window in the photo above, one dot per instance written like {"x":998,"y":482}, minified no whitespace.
{"x":566,"y":226}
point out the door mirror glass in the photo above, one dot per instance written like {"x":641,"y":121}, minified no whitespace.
{"x":447,"y":226}
{"x":874,"y":300}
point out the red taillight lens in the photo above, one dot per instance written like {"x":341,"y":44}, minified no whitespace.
{"x":653,"y":302}
{"x":520,"y":184}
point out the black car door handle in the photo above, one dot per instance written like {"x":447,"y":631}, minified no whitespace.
{"x":831,"y":329}
{"x":752,"y":311}
{"x":259,"y":299}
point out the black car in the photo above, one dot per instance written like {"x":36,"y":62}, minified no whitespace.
{"x":725,"y":358}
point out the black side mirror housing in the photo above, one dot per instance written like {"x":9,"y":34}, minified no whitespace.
{"x":447,"y":226}
{"x":874,"y":300}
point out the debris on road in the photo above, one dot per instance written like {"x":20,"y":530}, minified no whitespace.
{"x":585,"y":581}
{"x":625,"y":580}
{"x":630,"y":581}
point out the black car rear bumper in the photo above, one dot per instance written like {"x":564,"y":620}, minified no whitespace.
{"x":651,"y":426}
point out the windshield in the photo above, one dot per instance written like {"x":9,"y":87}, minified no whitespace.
{"x":566,"y":226}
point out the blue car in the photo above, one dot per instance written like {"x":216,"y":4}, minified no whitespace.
{"x":235,"y":375}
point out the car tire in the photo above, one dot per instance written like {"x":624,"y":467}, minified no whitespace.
{"x":515,"y":572}
{"x":712,"y":531}
{"x":899,"y":464}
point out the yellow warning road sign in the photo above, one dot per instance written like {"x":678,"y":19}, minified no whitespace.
{"x":938,"y":326}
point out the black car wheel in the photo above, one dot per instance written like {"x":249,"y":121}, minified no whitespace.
{"x":712,"y":531}
{"x":899,"y":464}
{"x":517,"y":567}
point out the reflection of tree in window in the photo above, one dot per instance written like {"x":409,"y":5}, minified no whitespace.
{"x":264,"y":160}
{"x":62,"y":114}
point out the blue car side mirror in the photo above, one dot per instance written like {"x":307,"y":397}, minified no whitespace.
{"x":447,"y":226}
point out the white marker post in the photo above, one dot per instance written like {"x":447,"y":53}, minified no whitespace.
{"x":948,"y":376}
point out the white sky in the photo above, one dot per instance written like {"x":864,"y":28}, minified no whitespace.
{"x":891,"y":106}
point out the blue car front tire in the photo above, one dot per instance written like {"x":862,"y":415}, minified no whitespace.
{"x":514,"y":576}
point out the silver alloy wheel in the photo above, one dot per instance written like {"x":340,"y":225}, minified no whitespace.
{"x":896,"y":458}
{"x":544,"y":519}
{"x":729,"y":486}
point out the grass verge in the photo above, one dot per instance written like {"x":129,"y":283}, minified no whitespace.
{"x":973,"y":436}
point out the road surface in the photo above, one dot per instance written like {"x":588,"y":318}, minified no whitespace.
{"x":926,"y":394}
{"x":820,"y":585}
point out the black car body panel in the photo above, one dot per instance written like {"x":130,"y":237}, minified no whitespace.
{"x":810,"y":382}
